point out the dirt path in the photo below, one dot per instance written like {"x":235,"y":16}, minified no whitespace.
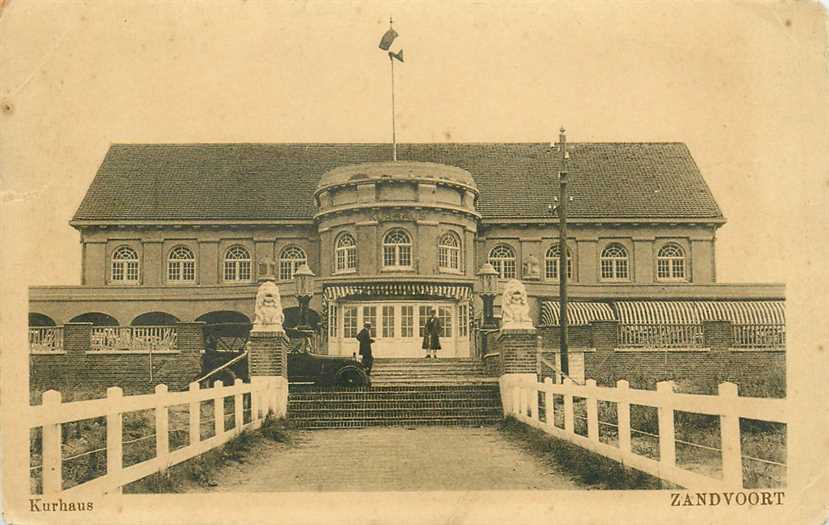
{"x":396,"y":459}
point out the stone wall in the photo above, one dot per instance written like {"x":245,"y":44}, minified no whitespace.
{"x":78,"y":371}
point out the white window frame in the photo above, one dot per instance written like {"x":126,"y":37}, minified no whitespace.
{"x":551,"y":260}
{"x":345,"y":254}
{"x":181,"y":261}
{"x":505,"y":265}
{"x":290,"y":260}
{"x":126,"y":266}
{"x":240,"y":265}
{"x":449,"y":252}
{"x":615,"y":263}
{"x":674,"y":263}
{"x":397,"y":251}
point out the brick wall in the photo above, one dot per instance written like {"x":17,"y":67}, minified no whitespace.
{"x":78,"y":372}
{"x":756,"y":372}
{"x":268,"y":354}
{"x":517,"y":349}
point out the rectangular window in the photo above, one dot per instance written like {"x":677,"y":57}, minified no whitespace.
{"x":286,"y":270}
{"x":370,"y":316}
{"x":506,"y":268}
{"x":607,"y":270}
{"x":341,"y":254}
{"x":445,"y":316}
{"x":189,"y":271}
{"x":244,"y":270}
{"x":132,"y":271}
{"x":405,"y":255}
{"x":454,"y":259}
{"x":388,"y":256}
{"x":622,"y":269}
{"x":230,"y":271}
{"x":388,"y":320}
{"x":552,"y":268}
{"x":679,"y":269}
{"x":406,"y":321}
{"x":117,"y":272}
{"x":443,"y":257}
{"x":424,"y":312}
{"x":332,"y":321}
{"x":173,"y":272}
{"x":350,"y":321}
{"x":351,"y":258}
{"x":662,"y":270}
{"x":463,"y":320}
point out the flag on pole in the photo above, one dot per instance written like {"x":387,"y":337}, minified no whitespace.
{"x":398,"y":55}
{"x":388,"y":38}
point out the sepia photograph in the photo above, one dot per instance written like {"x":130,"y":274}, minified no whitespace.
{"x":372,"y":262}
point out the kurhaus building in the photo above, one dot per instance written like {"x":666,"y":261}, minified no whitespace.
{"x":173,"y":232}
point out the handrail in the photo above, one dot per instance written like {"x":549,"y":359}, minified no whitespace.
{"x":219,"y":369}
{"x":542,"y":361}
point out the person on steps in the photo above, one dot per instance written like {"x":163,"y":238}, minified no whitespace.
{"x":431,"y":336}
{"x":364,"y":337}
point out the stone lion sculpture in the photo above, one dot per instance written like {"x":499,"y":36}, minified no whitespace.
{"x":268,"y":312}
{"x":515,"y":309}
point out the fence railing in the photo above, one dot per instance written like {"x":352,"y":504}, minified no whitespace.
{"x":661,"y":335}
{"x":137,"y":338}
{"x":521,"y":399}
{"x":52,"y":414}
{"x":758,"y":336}
{"x":46,"y":339}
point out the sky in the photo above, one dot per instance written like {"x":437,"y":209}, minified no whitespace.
{"x":743,"y":84}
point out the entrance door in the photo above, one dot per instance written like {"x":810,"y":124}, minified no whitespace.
{"x":398,"y":327}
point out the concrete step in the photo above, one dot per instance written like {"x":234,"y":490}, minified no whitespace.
{"x":314,"y":424}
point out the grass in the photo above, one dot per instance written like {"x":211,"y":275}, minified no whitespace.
{"x":591,"y":469}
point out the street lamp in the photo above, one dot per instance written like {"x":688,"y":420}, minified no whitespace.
{"x":489,"y":288}
{"x":304,"y":281}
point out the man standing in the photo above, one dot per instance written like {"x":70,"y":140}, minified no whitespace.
{"x":431,"y":335}
{"x":364,"y":336}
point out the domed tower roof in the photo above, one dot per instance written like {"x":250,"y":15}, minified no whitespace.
{"x":397,"y":171}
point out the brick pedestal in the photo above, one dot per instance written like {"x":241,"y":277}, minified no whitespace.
{"x":268,"y":362}
{"x":517,"y":349}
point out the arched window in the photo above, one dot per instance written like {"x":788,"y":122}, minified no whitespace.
{"x":397,"y":249}
{"x":181,"y":266}
{"x":237,"y":264}
{"x":502,"y":258}
{"x":614,"y":262}
{"x":449,"y":252}
{"x":125,"y":266}
{"x":670,"y":263}
{"x":290,"y":260}
{"x":551,"y":263}
{"x":345,"y":254}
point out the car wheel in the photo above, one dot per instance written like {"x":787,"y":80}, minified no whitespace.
{"x":351,"y":376}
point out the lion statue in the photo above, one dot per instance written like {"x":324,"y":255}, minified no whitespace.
{"x":269,"y":316}
{"x":515,"y":309}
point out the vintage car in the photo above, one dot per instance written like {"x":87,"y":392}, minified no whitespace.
{"x":325,"y":370}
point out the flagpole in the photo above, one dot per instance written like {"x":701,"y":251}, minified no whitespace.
{"x":393,"y":124}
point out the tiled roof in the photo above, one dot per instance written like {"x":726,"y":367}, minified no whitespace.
{"x":277,"y":181}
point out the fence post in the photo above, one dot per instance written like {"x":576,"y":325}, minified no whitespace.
{"x":238,"y":402}
{"x":533,"y":393}
{"x":516,"y":400}
{"x":115,"y":445}
{"x":219,"y":409}
{"x":195,"y":414}
{"x":592,"y":411}
{"x":569,"y":416}
{"x":665,"y":413}
{"x":732,"y":460}
{"x":51,"y":453}
{"x":623,"y":417}
{"x":162,"y":427}
{"x":549,"y":405}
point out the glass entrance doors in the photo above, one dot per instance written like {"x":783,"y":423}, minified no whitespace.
{"x":398,"y":327}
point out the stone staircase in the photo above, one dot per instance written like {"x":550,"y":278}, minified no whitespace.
{"x":404,"y":392}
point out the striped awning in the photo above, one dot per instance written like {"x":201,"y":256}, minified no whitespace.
{"x":744,"y":312}
{"x":578,"y":313}
{"x":694,"y":312}
{"x":459,"y":293}
{"x":657,"y":312}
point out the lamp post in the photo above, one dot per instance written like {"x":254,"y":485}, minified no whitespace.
{"x":304,"y":280}
{"x":489,"y":287}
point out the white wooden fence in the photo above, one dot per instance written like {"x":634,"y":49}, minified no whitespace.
{"x":53,"y":413}
{"x":520,"y":398}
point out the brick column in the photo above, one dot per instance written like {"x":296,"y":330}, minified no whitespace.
{"x":717,"y":335}
{"x":190,"y":338}
{"x":190,"y":345}
{"x":77,"y":338}
{"x":517,"y":349}
{"x":268,"y":362}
